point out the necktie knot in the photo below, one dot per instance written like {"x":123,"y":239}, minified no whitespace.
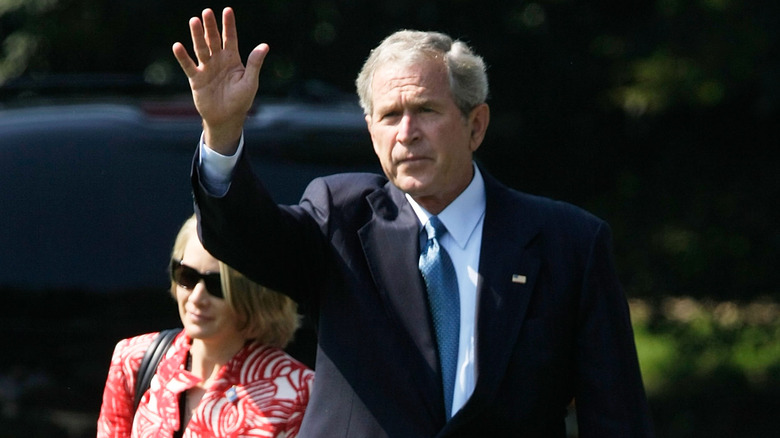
{"x":435,"y":228}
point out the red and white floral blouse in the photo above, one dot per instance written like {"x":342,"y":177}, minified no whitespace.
{"x":260,"y":392}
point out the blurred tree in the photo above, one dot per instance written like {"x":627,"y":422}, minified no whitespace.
{"x":697,"y":83}
{"x":20,"y":39}
{"x":659,"y":115}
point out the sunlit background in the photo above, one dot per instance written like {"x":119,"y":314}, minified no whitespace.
{"x":660,"y":116}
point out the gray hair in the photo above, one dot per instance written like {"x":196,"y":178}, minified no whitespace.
{"x":466,"y":69}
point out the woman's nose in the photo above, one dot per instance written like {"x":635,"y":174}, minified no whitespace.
{"x":199,"y":293}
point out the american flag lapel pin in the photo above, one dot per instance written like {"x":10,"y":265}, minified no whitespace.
{"x":517,"y":278}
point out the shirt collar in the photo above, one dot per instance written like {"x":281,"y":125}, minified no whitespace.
{"x":463,"y":214}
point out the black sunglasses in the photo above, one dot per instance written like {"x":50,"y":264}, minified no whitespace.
{"x":188,"y":278}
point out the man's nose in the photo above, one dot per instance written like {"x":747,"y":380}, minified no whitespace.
{"x":407,"y":129}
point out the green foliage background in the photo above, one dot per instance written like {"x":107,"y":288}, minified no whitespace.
{"x":660,"y":116}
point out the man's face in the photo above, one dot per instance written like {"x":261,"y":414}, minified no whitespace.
{"x":423,"y":141}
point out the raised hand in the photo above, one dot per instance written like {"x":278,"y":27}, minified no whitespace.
{"x":222,"y":87}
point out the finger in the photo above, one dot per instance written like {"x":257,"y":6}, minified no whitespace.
{"x":186,"y":63}
{"x":255,"y":61}
{"x":199,"y":45}
{"x":212,"y":31}
{"x":229,"y":33}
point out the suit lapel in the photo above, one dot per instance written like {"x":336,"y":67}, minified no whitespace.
{"x":508,"y":269}
{"x":395,"y":228}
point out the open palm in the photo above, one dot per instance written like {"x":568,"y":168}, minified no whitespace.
{"x":223,"y":89}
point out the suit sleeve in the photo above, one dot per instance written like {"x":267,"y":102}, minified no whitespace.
{"x":281,"y":247}
{"x":609,"y":397}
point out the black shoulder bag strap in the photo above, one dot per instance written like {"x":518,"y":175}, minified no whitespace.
{"x":151,"y":360}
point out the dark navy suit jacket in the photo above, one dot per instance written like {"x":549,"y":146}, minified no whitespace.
{"x":348,"y":255}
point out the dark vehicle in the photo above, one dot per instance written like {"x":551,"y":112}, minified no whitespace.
{"x":92,"y":193}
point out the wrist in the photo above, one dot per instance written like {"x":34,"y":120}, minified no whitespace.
{"x":223,"y":139}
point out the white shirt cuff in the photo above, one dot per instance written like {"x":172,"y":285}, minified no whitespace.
{"x":216,"y":170}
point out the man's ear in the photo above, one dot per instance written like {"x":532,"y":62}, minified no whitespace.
{"x":479,"y":118}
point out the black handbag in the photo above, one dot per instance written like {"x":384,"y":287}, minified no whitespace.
{"x":151,"y":360}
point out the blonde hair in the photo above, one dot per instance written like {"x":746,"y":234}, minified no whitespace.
{"x":266,"y":316}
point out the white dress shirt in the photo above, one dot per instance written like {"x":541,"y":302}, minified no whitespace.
{"x":464,"y":219}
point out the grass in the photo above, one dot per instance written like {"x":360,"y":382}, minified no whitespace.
{"x":710,"y":368}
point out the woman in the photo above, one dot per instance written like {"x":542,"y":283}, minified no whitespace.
{"x":225,"y":374}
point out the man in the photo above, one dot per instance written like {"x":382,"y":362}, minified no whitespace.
{"x":495,"y":334}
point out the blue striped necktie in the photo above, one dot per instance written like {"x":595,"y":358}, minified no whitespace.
{"x":444,"y":300}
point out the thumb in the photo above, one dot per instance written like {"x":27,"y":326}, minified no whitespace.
{"x":255,"y":60}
